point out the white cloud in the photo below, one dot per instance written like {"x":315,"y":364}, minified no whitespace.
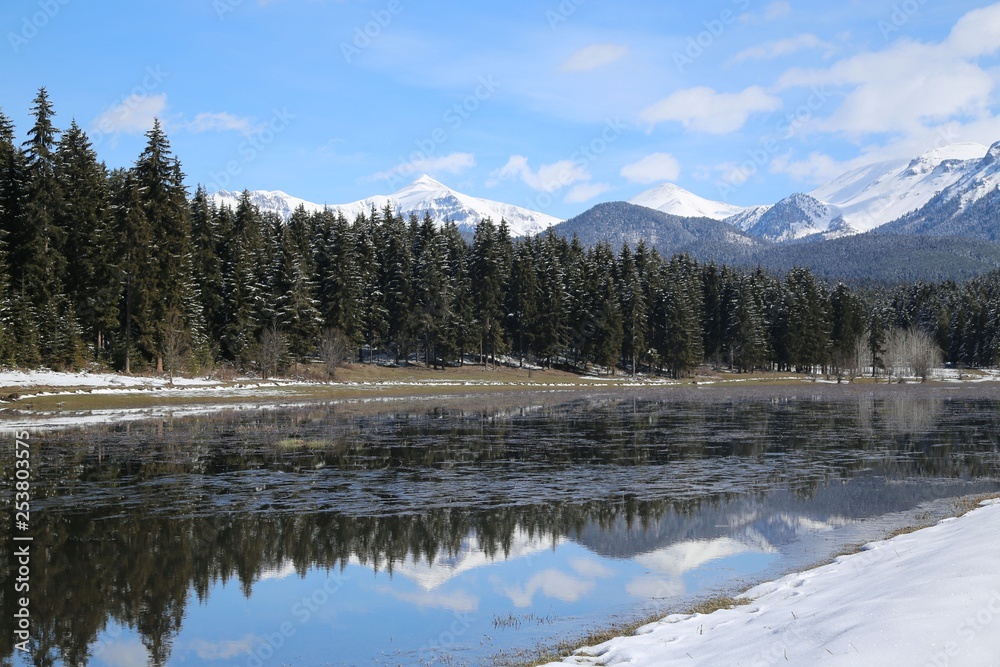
{"x":705,"y":110}
{"x":221,"y":122}
{"x":225,"y":650}
{"x":654,"y":168}
{"x":816,"y":169}
{"x":587,"y":567}
{"x":132,"y":115}
{"x":782,"y":47}
{"x":909,"y":87}
{"x":977,"y":33}
{"x":586,"y":192}
{"x":453,"y":163}
{"x":457,"y":601}
{"x":774,"y":10}
{"x":547,"y":178}
{"x":553,"y":584}
{"x":130,"y":653}
{"x":594,"y":57}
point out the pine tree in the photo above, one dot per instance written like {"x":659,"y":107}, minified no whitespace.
{"x":491,"y":258}
{"x":296,"y":310}
{"x":523,"y":297}
{"x":374,"y":316}
{"x":38,"y":248}
{"x":396,"y":264}
{"x":11,"y":194}
{"x":552,"y":333}
{"x":635,"y":325}
{"x":206,"y":263}
{"x":462,"y":327}
{"x":163,"y":199}
{"x":244,"y":253}
{"x":91,"y":271}
{"x":432,"y":292}
{"x":131,"y":228}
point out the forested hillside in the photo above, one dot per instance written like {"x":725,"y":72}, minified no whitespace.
{"x":127,"y":270}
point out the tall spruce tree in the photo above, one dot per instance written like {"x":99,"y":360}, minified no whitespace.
{"x":91,"y":275}
{"x":39,"y":244}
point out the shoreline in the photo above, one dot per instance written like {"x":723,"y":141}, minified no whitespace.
{"x":43,"y":399}
{"x":793,"y":619}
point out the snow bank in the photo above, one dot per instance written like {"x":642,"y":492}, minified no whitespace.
{"x":929,"y":598}
{"x":44,"y":378}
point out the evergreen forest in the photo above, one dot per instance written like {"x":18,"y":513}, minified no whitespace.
{"x":126,"y":269}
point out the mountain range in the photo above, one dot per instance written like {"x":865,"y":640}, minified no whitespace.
{"x":860,"y":223}
{"x":423,"y":196}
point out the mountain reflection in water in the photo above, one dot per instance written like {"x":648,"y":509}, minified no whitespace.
{"x":553,"y":513}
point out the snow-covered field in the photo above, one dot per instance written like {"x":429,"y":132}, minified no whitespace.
{"x":929,"y":598}
{"x":43,"y":378}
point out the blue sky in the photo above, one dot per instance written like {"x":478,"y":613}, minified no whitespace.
{"x":554,"y":105}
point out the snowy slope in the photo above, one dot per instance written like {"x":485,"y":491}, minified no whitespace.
{"x":925,"y":598}
{"x":424,"y":195}
{"x":874,"y":195}
{"x":795,"y":217}
{"x":675,"y":200}
{"x":267,"y":200}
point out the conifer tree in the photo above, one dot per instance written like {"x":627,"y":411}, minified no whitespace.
{"x":163,"y":199}
{"x":91,"y":266}
{"x":206,"y":263}
{"x":433,"y":292}
{"x":38,"y":247}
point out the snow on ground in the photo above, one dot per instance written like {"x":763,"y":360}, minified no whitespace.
{"x":929,"y":598}
{"x":44,"y":378}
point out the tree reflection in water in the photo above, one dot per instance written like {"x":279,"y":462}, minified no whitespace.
{"x":130,"y":521}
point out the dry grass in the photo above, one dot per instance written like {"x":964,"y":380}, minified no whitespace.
{"x":566,"y":647}
{"x":353,"y":381}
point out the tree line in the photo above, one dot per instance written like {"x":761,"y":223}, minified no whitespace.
{"x":126,"y":269}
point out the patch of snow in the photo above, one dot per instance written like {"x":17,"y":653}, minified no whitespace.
{"x":675,"y":200}
{"x":926,"y":598}
{"x":423,"y":196}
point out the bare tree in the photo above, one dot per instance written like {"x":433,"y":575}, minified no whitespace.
{"x":175,"y":345}
{"x":272,"y":348}
{"x":334,"y":349}
{"x":910,"y":353}
{"x":926,"y":355}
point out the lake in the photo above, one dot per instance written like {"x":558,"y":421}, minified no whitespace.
{"x":463,"y":531}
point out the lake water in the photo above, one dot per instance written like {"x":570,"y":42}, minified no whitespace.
{"x":460,"y":531}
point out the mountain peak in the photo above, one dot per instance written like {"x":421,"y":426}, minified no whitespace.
{"x":675,"y":200}
{"x":427,"y":182}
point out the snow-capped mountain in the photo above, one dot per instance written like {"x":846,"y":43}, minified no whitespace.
{"x":422,"y":196}
{"x":675,"y":200}
{"x":876,"y":194}
{"x":858,"y":201}
{"x":267,"y":200}
{"x":969,"y":207}
{"x":795,"y":217}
